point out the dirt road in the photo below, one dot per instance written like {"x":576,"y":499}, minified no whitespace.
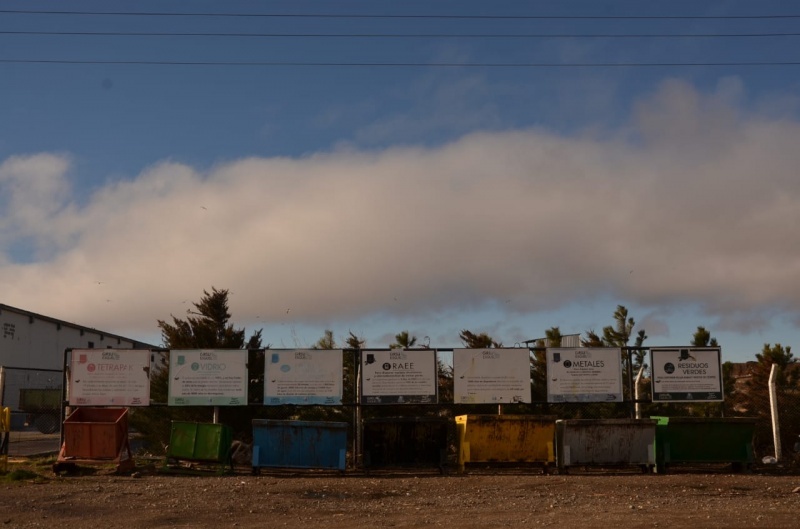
{"x":481,"y":498}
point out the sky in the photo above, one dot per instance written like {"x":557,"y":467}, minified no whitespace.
{"x":374,"y":181}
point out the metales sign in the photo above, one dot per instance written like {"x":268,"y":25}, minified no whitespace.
{"x":584,"y":374}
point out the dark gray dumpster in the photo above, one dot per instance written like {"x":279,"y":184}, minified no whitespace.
{"x":405,"y":442}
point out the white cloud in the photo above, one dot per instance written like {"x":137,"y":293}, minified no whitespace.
{"x":695,"y":201}
{"x":33,"y":189}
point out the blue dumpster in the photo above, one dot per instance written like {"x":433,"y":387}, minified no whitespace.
{"x":299,"y":444}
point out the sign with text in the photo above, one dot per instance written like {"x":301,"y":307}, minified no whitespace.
{"x":584,"y":374}
{"x":686,"y":374}
{"x":303,"y":376}
{"x":109,"y":377}
{"x":491,"y":376}
{"x":398,"y":376}
{"x":207,"y":377}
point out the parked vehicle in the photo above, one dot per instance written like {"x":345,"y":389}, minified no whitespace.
{"x":43,"y":408}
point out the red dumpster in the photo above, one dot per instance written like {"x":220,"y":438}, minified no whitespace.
{"x":96,"y":435}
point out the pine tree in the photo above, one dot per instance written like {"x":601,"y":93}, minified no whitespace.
{"x":206,"y":327}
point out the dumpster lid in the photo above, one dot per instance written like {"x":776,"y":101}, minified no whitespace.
{"x":665,"y":421}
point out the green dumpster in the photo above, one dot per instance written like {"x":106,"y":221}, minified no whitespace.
{"x":201,"y":442}
{"x":704,"y":440}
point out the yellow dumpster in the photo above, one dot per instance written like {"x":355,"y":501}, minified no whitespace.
{"x":5,"y":428}
{"x":505,"y":439}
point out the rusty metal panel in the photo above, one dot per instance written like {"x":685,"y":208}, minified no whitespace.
{"x":605,"y":442}
{"x":505,"y":438}
{"x":95,"y":433}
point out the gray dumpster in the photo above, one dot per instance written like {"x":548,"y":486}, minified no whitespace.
{"x":606,"y":442}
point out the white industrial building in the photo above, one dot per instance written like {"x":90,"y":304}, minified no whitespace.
{"x":33,"y":341}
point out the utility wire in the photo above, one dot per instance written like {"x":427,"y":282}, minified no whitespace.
{"x":407,"y":35}
{"x":409,"y":16}
{"x":406,"y":64}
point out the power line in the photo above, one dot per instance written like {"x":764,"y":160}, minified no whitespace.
{"x":405,"y":35}
{"x":407,"y":16}
{"x":404,"y":64}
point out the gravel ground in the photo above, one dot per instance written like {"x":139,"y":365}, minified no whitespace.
{"x":480,"y":498}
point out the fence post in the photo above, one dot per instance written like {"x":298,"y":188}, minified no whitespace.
{"x":773,"y":404}
{"x":2,"y":385}
{"x":358,"y":460}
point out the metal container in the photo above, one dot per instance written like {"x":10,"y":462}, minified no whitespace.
{"x":5,"y":428}
{"x":299,"y":444}
{"x":95,"y":433}
{"x":43,"y":407}
{"x":606,"y":442}
{"x":704,"y":440}
{"x":34,"y":400}
{"x":405,"y":442}
{"x":504,"y":439}
{"x":206,"y":442}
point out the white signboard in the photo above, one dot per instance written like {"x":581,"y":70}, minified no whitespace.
{"x":309,"y":376}
{"x":207,"y":377}
{"x":109,"y":377}
{"x":491,"y":376}
{"x":584,"y":374}
{"x":686,"y":374}
{"x":398,"y":377}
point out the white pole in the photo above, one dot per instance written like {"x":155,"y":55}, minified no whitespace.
{"x":638,"y":405}
{"x":773,"y":404}
{"x":357,"y":441}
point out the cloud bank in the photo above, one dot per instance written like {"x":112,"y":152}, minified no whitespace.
{"x":694,"y":201}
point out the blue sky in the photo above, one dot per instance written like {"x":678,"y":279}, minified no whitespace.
{"x":374,"y":199}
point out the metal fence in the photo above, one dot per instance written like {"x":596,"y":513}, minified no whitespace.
{"x":34,"y":397}
{"x":741,"y":400}
{"x":35,"y":422}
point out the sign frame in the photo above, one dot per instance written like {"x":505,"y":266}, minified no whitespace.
{"x":196,"y":377}
{"x":125,"y":373}
{"x":399,"y":376}
{"x":584,"y":374}
{"x":303,"y":377}
{"x":492,"y":376}
{"x":697,"y":374}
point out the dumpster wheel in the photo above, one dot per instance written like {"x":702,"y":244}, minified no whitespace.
{"x":69,"y":468}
